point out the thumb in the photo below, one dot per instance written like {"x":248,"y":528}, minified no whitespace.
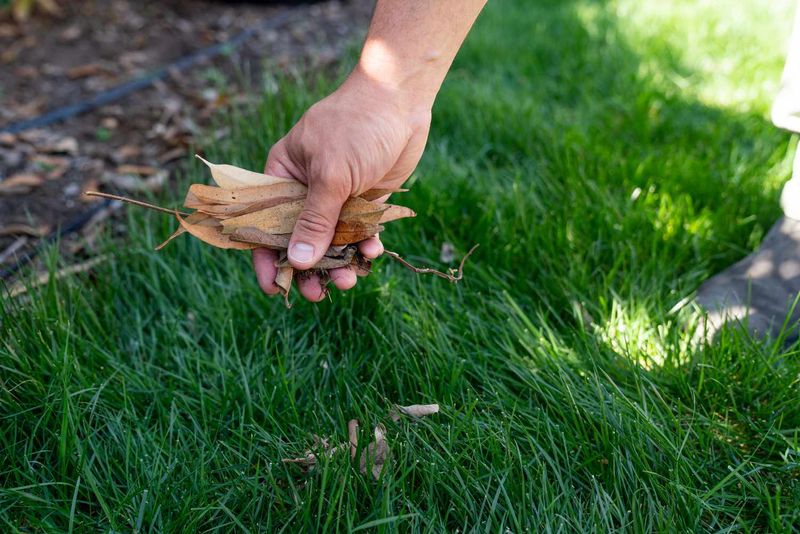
{"x":315,"y":226}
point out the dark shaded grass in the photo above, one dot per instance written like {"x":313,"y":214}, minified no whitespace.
{"x":161,"y":393}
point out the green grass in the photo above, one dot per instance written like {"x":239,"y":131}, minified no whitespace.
{"x":608,"y":157}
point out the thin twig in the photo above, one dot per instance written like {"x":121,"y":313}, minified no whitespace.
{"x":426,"y":270}
{"x":19,"y":288}
{"x":134,"y":202}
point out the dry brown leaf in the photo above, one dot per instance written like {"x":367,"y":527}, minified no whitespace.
{"x":179,"y":231}
{"x":414,"y":410}
{"x":230,"y":177}
{"x":141,"y":170}
{"x":249,"y":234}
{"x":20,"y":183}
{"x":352,"y":435}
{"x":87,"y":70}
{"x":278,"y":219}
{"x":206,"y":194}
{"x":211,"y":234}
{"x":126,"y":152}
{"x":284,"y":281}
{"x":354,"y":232}
{"x":24,"y":229}
{"x":396,"y":212}
{"x":376,"y":455}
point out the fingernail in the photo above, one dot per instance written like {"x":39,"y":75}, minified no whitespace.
{"x":302,"y":252}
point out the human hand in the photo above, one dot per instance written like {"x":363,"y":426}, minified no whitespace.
{"x":365,"y":135}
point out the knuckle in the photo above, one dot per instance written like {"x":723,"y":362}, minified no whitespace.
{"x":312,"y":221}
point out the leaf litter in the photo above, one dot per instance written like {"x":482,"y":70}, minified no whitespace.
{"x":370,"y":459}
{"x":248,"y":210}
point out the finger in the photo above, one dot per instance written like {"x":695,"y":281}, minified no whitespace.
{"x":343,"y":278}
{"x":371,"y":248}
{"x":316,"y":224}
{"x":264,"y":265}
{"x":311,"y":288}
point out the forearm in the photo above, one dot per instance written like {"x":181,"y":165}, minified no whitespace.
{"x":412,"y":43}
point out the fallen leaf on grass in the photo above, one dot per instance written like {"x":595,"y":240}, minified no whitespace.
{"x":414,"y":410}
{"x":376,"y":455}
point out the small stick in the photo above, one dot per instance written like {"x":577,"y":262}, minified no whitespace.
{"x":19,"y":288}
{"x":134,"y":202}
{"x":426,"y":270}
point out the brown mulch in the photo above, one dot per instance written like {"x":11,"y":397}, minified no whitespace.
{"x":94,"y":45}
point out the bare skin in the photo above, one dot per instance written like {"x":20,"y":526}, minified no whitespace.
{"x":370,"y":132}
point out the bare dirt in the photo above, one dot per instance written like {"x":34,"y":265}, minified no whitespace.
{"x":92,"y":46}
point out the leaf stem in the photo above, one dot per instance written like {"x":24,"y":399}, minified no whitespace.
{"x":134,"y":202}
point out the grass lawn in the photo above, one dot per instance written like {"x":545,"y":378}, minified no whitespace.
{"x":608,"y":157}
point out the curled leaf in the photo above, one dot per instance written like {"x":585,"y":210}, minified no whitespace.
{"x":414,"y":410}
{"x":284,"y":281}
{"x":396,"y":212}
{"x":230,"y":177}
{"x":376,"y":454}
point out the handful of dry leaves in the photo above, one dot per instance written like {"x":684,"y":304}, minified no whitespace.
{"x":251,"y":210}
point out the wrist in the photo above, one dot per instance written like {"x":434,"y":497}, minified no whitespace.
{"x":415,"y":82}
{"x":366,"y":87}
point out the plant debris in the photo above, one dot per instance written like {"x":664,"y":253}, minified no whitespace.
{"x":248,"y":210}
{"x":374,"y":456}
{"x":414,"y":410}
